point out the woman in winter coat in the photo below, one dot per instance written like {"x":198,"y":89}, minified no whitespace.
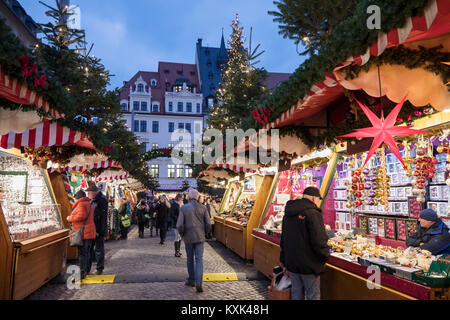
{"x":140,"y":210}
{"x":162,"y":216}
{"x":83,"y":211}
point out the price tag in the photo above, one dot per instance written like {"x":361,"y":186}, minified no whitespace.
{"x":348,"y":247}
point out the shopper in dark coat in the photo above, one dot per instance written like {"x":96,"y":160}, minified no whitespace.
{"x":176,"y":204}
{"x":100,"y":204}
{"x":304,"y":249}
{"x":433,"y":234}
{"x":141,"y":209}
{"x":162,"y":216}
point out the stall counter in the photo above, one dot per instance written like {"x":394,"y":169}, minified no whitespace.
{"x":340,"y":273}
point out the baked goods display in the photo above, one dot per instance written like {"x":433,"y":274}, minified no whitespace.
{"x":362,"y":247}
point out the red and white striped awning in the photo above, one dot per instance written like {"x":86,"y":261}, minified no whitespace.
{"x":112,"y":177}
{"x":101,"y":164}
{"x":46,"y":134}
{"x":435,"y":21}
{"x":19,"y":93}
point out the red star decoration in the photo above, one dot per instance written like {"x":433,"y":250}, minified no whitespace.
{"x":383,"y":130}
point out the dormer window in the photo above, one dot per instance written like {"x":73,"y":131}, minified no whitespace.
{"x":140,"y":87}
{"x":155,"y":108}
{"x":153,"y":82}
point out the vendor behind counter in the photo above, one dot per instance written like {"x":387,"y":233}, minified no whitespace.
{"x":432,"y":235}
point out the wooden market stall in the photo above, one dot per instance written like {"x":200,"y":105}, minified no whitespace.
{"x":33,"y":238}
{"x":226,"y":206}
{"x":247,"y":214}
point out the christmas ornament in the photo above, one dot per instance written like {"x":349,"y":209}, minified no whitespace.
{"x":383,"y":130}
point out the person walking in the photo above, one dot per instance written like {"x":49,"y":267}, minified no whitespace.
{"x":83,"y":213}
{"x":175,"y":213}
{"x":212,"y":211}
{"x":141,"y":209}
{"x":304,"y":249}
{"x":162,"y":215}
{"x":100,"y":205}
{"x":153,"y":213}
{"x":125,"y":219}
{"x":193,"y":224}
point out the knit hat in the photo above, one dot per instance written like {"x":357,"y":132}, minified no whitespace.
{"x":311,"y":191}
{"x":429,"y":214}
{"x":80,"y":194}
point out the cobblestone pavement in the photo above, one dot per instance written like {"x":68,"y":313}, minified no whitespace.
{"x":146,"y":270}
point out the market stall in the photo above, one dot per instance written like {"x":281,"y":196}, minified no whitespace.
{"x":33,"y":238}
{"x":246,"y":214}
{"x":226,"y":207}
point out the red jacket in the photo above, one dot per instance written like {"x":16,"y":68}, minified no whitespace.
{"x":79,"y":214}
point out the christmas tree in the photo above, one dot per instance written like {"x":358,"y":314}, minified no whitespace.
{"x":88,"y":105}
{"x":311,"y":22}
{"x":241,"y":87}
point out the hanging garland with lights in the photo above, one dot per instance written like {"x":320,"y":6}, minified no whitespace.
{"x":351,"y":37}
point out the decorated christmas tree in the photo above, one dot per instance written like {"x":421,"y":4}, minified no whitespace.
{"x":241,"y":86}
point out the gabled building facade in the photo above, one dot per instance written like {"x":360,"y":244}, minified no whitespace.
{"x":164,"y":110}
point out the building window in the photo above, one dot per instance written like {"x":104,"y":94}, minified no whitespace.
{"x":155,"y":126}
{"x":143,"y":126}
{"x":170,"y":146}
{"x":180,"y":171}
{"x":140,"y":88}
{"x":188,"y":107}
{"x":166,"y":71}
{"x":155,"y":146}
{"x":181,"y":126}
{"x":188,"y":127}
{"x":188,"y":171}
{"x":210,"y":75}
{"x":192,"y":73}
{"x":180,"y":107}
{"x":197,"y":127}
{"x":123,"y":107}
{"x":153,"y":83}
{"x":171,"y":171}
{"x":198,"y":107}
{"x":170,"y":106}
{"x":154,"y":168}
{"x":144,"y":106}
{"x":171,"y":126}
{"x":155,"y":108}
{"x":136,"y":105}
{"x":209,"y":63}
{"x":136,"y":126}
{"x":210,"y":102}
{"x":180,"y":72}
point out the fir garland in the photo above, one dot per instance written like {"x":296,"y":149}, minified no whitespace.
{"x":348,"y":39}
{"x":429,"y":59}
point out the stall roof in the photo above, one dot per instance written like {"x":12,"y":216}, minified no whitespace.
{"x":435,"y":21}
{"x":46,"y":134}
{"x":19,"y":93}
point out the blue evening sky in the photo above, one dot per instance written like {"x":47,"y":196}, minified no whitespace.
{"x":134,"y":35}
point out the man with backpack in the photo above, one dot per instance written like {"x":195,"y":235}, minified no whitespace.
{"x":141,"y":211}
{"x":125,"y":220}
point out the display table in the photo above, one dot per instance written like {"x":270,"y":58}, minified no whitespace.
{"x":345,"y":279}
{"x":236,"y":237}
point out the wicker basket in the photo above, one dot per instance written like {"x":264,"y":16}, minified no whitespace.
{"x":278,"y":294}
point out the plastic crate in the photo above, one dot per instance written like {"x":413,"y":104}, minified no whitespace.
{"x":438,"y":267}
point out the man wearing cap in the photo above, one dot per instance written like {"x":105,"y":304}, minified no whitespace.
{"x":100,"y":205}
{"x":433,"y":234}
{"x":304,"y":249}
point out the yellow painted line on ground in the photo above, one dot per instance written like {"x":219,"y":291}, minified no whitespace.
{"x":220,"y":277}
{"x":94,"y":279}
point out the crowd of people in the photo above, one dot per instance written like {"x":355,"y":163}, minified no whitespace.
{"x":190,"y":215}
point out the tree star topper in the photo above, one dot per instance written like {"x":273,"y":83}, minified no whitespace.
{"x":383,"y":130}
